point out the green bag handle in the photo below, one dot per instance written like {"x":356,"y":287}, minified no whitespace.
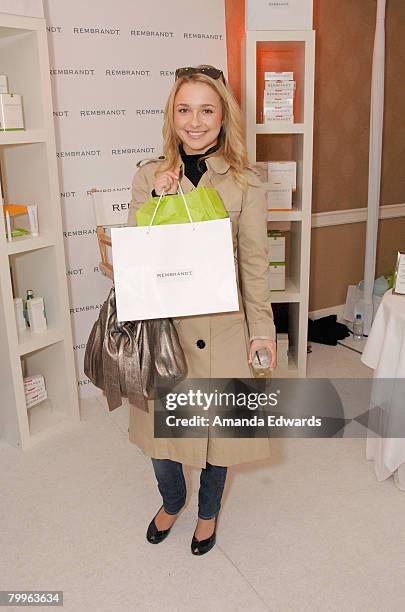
{"x":158,"y":203}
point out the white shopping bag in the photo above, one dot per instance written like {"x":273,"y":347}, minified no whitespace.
{"x":174,"y":270}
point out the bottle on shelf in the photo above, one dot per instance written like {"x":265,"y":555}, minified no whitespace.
{"x":358,"y":328}
{"x":29,"y":296}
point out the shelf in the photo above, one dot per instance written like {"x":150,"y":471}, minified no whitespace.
{"x":280,"y":128}
{"x":22,"y":137}
{"x":29,"y":341}
{"x":291,"y":293}
{"x":27,"y":243}
{"x":284,"y":215}
{"x":29,"y":173}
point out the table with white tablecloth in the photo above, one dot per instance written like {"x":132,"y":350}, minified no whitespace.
{"x":385,"y":353}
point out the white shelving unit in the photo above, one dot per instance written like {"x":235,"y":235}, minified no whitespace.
{"x":30,"y":176}
{"x":286,"y":51}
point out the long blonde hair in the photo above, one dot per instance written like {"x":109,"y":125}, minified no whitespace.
{"x":230,"y":139}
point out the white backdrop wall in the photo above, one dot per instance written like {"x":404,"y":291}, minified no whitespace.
{"x":112,"y":65}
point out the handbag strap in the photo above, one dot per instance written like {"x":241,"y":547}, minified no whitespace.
{"x":158,"y":204}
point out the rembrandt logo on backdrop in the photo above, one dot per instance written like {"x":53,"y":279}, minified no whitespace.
{"x":54,"y":29}
{"x":72,"y":72}
{"x":109,"y":190}
{"x":79,"y":233}
{"x":103,"y":112}
{"x":151,"y":34}
{"x":60,"y":114}
{"x":131,"y":151}
{"x":84,"y":308}
{"x":86,"y":153}
{"x":202,"y":35}
{"x":149,"y":111}
{"x":128,"y":72}
{"x":103,"y":31}
{"x":174,"y":275}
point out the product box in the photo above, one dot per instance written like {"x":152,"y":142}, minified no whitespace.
{"x":36,"y":317}
{"x":279,"y":76}
{"x":30,"y":395}
{"x":273,"y":109}
{"x":36,"y":399}
{"x":279,"y":196}
{"x":276,"y":247}
{"x":277,"y":276}
{"x":3,"y":84}
{"x":277,"y":86}
{"x":278,"y":101}
{"x":283,"y":117}
{"x":11,"y":115}
{"x":283,"y":172}
{"x":279,"y":14}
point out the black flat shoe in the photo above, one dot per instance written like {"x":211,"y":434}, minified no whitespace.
{"x":203,"y":546}
{"x":153,"y":535}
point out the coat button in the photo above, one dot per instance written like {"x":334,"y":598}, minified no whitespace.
{"x":200,"y":344}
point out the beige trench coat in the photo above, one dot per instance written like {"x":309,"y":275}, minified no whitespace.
{"x":226,"y":335}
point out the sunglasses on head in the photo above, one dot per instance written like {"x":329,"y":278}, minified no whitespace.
{"x":210,"y":71}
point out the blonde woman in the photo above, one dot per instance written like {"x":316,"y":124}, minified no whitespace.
{"x":203,"y":145}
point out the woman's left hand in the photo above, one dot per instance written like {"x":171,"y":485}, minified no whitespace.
{"x":270,"y":345}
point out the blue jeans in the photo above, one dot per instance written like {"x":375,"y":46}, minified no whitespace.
{"x":172,"y":487}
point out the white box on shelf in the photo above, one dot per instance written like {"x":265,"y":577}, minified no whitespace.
{"x":276,"y":85}
{"x":279,"y":14}
{"x":277,"y":276}
{"x":33,"y":380}
{"x":29,"y":395}
{"x":11,"y":115}
{"x":279,"y":76}
{"x":277,"y":101}
{"x":36,"y":317}
{"x":286,"y":113}
{"x":284,"y":171}
{"x":37,"y":399}
{"x":276,"y":247}
{"x":3,"y":84}
{"x":272,"y":109}
{"x":279,"y":119}
{"x":279,"y":195}
{"x":34,"y":389}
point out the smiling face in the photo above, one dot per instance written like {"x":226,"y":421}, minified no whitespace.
{"x":197,"y":117}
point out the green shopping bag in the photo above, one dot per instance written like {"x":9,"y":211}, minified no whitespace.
{"x":204,"y":204}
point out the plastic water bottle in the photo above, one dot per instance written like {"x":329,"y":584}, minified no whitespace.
{"x":261,"y":363}
{"x":358,"y":328}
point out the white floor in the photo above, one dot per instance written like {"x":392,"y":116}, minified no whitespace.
{"x":309,"y":530}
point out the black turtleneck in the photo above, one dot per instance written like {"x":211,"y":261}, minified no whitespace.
{"x":192,"y":169}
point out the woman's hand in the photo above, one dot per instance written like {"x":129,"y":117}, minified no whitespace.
{"x":167,"y":182}
{"x":270,"y":345}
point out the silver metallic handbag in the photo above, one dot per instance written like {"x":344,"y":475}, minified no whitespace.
{"x":131,"y":359}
